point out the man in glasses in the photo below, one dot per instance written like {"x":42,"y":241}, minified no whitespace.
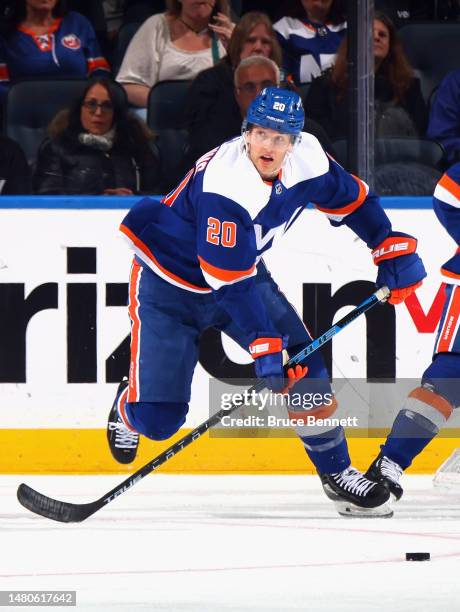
{"x":198,"y":264}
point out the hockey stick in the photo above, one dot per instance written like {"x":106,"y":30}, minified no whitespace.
{"x":66,"y":512}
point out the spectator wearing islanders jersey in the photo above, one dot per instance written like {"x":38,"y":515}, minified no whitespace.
{"x":310,"y":34}
{"x":43,"y":40}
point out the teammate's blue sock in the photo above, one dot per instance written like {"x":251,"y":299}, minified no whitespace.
{"x":328,"y":451}
{"x":410,"y":433}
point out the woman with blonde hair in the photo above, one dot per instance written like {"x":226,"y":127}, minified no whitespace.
{"x":177,"y":44}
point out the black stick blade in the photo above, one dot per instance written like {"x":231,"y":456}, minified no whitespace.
{"x":54,"y":509}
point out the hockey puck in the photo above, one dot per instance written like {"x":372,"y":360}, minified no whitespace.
{"x":418,"y":556}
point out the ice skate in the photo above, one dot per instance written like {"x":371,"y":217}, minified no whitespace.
{"x":355,"y":495}
{"x":386,"y":472}
{"x":123,"y":443}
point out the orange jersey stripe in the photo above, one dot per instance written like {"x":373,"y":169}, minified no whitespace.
{"x":53,"y":27}
{"x":225,"y":275}
{"x":171,"y":197}
{"x":133,"y":389}
{"x":451,"y":186}
{"x":142,"y":247}
{"x":432,"y":399}
{"x":450,"y":274}
{"x":349,"y":208}
{"x":448,"y":331}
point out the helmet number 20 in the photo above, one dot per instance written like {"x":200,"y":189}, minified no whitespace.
{"x":279,"y":106}
{"x":221,"y":233}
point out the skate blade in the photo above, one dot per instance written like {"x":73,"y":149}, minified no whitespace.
{"x":347,"y":509}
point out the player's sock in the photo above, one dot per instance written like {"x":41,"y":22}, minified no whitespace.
{"x":123,"y":441}
{"x":424,"y":413}
{"x":328,"y":451}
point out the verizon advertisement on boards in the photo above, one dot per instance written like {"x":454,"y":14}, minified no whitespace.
{"x":64,"y":327}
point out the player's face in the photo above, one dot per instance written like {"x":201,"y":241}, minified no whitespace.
{"x":267,"y":150}
{"x":96,"y":113}
{"x":258,"y":42}
{"x":251,"y":81}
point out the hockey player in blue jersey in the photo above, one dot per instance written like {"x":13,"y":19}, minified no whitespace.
{"x":429,"y":406}
{"x":198,"y":264}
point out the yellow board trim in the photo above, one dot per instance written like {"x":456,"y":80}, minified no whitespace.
{"x":85,"y":451}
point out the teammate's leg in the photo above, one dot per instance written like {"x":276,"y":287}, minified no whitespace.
{"x":428,"y":407}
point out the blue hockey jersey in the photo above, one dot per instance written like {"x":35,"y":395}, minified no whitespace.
{"x":308,"y":49}
{"x":209,"y":233}
{"x":446,"y":204}
{"x":69,"y":50}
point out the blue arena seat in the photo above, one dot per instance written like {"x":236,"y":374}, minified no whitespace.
{"x":165,"y":116}
{"x":30,"y":106}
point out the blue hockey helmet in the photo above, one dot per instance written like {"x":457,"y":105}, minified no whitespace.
{"x":277,"y":109}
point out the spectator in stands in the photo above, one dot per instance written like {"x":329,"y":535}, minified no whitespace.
{"x":14,"y":170}
{"x":310,"y":34}
{"x":213,"y":114}
{"x":175,"y":45}
{"x":400,"y":109}
{"x":96,"y":147}
{"x":43,"y":40}
{"x":444,"y":122}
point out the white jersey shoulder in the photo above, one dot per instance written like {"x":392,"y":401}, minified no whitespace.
{"x":306,"y":161}
{"x":232,"y":175}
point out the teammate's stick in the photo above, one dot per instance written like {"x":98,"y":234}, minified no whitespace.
{"x":66,"y":512}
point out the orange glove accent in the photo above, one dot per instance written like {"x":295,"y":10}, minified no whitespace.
{"x":399,"y":295}
{"x":294,"y":375}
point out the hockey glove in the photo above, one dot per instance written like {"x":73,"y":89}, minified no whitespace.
{"x":400,"y":268}
{"x":267,"y":352}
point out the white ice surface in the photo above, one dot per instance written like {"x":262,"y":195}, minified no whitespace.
{"x":232,"y":544}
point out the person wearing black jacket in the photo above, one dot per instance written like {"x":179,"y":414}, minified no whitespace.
{"x":97,"y":148}
{"x":15,"y":176}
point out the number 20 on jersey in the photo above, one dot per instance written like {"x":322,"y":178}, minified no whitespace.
{"x":221,"y":233}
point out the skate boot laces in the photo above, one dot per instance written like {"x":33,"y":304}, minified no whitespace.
{"x":392,"y":470}
{"x":353,"y":481}
{"x":124,"y":438}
